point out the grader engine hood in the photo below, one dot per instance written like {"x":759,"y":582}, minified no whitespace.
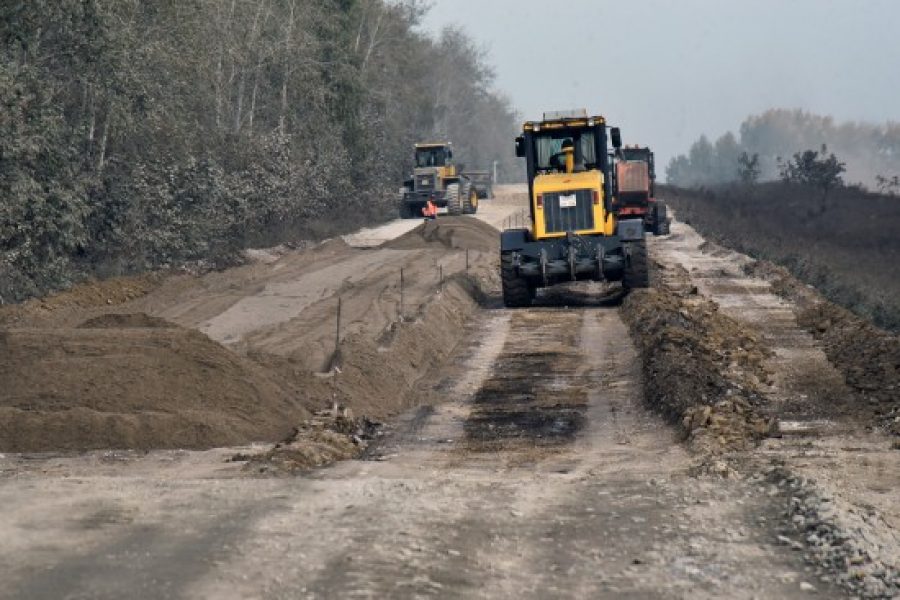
{"x":570,"y":202}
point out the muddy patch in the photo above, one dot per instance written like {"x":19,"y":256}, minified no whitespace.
{"x":532,"y":398}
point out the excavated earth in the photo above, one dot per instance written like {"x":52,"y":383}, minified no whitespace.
{"x":243,"y":355}
{"x":722,"y":435}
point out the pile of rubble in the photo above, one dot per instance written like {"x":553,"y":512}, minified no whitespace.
{"x":702,"y":369}
{"x":329,"y":436}
{"x":846,"y":544}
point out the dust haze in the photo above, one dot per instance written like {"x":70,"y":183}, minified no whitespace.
{"x":667,"y":72}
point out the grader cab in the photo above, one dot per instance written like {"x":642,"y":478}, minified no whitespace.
{"x":438,"y":179}
{"x":573,"y":233}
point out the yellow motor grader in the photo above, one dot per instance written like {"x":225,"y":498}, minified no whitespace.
{"x":574,"y":233}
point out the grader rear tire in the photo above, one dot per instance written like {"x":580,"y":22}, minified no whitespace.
{"x":637,"y":267}
{"x":454,"y":202}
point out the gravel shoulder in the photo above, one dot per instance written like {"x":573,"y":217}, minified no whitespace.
{"x":839,"y":474}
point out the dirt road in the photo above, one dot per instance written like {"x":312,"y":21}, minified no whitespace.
{"x":514,"y":486}
{"x":527,"y":465}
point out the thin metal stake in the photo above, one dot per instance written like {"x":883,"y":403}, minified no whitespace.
{"x":467,"y":260}
{"x":337,"y":336}
{"x":401,"y":294}
{"x":441,"y":276}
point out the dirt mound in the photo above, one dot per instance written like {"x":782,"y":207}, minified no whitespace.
{"x":127,"y":321}
{"x":77,"y":389}
{"x":139,"y":375}
{"x":703,"y":370}
{"x":451,"y":232}
{"x":868,"y":357}
{"x":108,"y":292}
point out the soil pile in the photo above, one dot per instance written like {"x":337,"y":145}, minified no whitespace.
{"x":133,"y":381}
{"x":702,"y":369}
{"x":80,"y":374}
{"x":457,"y":233}
{"x":109,"y":292}
{"x":868,"y":357}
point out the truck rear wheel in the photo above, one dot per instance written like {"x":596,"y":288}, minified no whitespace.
{"x":660,"y":220}
{"x":454,"y":202}
{"x":637,"y":268}
{"x":516,"y":292}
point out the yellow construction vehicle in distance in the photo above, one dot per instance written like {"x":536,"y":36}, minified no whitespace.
{"x":437,"y":178}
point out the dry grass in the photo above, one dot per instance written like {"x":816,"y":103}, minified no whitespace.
{"x":847,"y":246}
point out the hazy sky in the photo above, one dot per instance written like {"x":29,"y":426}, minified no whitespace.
{"x":668,"y":70}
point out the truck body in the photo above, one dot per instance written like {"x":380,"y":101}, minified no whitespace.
{"x":635,"y":182}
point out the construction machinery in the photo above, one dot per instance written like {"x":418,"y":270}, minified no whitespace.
{"x":574,"y":233}
{"x":483,"y":183}
{"x":634,"y":189}
{"x":438,"y":179}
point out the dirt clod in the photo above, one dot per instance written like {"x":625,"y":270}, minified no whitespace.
{"x":327,"y":437}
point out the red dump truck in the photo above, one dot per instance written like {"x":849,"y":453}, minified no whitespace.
{"x":635,"y":179}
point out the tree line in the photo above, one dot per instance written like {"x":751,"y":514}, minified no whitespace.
{"x":766,"y":143}
{"x":138,"y":135}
